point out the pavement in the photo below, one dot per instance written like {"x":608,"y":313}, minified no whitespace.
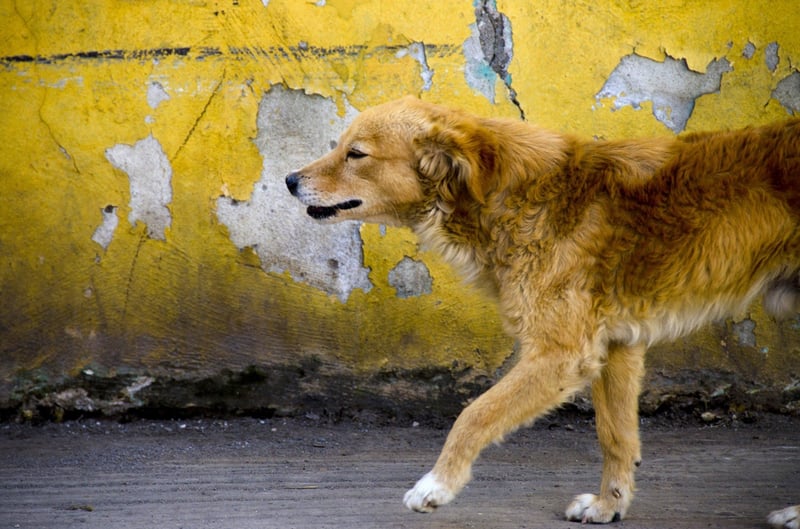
{"x":309,"y":473}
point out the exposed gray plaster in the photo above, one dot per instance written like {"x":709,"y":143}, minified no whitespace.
{"x":488,"y":52}
{"x":745,"y":332}
{"x":749,"y":50}
{"x":477,"y":71}
{"x":150,"y":175}
{"x":416,"y":50}
{"x":410,"y":278}
{"x":771,"y":56}
{"x":670,"y":85}
{"x":294,"y":128}
{"x":787,"y":92}
{"x":104,"y":233}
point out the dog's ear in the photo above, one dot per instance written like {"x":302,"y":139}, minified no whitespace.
{"x":457,"y":159}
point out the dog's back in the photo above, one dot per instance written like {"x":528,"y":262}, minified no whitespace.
{"x":715,"y":226}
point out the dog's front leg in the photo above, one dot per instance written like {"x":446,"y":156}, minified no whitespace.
{"x":615,"y":397}
{"x":534,"y":386}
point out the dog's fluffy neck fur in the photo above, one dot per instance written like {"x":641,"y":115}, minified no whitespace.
{"x":549,"y":179}
{"x":452,"y":228}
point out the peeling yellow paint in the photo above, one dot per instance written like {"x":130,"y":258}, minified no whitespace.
{"x":74,"y":83}
{"x":564,"y":55}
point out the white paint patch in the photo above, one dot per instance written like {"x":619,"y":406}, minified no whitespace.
{"x":156,"y":94}
{"x":150,"y":175}
{"x":670,"y":85}
{"x":104,"y":233}
{"x":294,"y":129}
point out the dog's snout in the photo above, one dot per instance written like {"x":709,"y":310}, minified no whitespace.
{"x":292,"y":182}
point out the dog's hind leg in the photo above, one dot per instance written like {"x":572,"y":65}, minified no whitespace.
{"x":615,"y":395}
{"x":537,"y":384}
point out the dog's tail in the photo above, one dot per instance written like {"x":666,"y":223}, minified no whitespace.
{"x":782,"y":297}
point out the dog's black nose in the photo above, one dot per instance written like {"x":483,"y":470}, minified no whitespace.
{"x":292,"y":181}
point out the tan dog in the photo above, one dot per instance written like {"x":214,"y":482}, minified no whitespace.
{"x":594,"y":250}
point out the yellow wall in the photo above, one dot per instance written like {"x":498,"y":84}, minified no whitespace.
{"x":189,"y":303}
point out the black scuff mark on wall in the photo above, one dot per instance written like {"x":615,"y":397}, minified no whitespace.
{"x":200,"y":53}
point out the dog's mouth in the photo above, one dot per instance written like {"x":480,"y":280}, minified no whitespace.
{"x":326,"y":212}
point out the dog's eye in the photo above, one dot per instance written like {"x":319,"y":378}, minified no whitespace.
{"x":355,"y":154}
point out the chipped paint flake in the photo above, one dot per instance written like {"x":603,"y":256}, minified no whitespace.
{"x":416,"y":50}
{"x":771,"y":56}
{"x":293,"y":129}
{"x":411,"y":278}
{"x":749,"y":50}
{"x":787,"y":92}
{"x":745,"y":332}
{"x":156,"y":94}
{"x":150,"y":175}
{"x":104,"y":233}
{"x":670,"y":85}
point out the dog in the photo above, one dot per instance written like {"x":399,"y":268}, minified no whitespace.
{"x":594,"y":251}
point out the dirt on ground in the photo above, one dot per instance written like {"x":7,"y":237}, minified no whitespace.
{"x":308,"y":473}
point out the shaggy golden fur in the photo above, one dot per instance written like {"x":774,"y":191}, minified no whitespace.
{"x":594,"y":250}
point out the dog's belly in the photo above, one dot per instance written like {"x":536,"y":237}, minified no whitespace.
{"x":662,"y":324}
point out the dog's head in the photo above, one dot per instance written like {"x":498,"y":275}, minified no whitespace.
{"x":397,"y":162}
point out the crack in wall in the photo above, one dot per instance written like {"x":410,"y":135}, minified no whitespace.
{"x":489,"y":51}
{"x":200,"y":117}
{"x":52,"y":134}
{"x":129,"y":282}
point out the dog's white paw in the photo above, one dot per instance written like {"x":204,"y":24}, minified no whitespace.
{"x":427,"y":494}
{"x":588,"y":508}
{"x":788,"y":518}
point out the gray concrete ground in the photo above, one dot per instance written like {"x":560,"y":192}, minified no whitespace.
{"x":302,"y":473}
